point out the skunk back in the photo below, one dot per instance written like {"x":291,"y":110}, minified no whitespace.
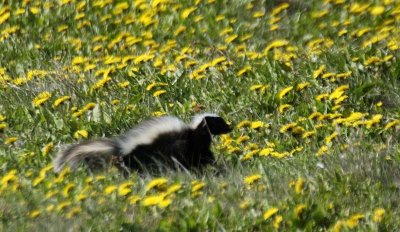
{"x":167,"y":142}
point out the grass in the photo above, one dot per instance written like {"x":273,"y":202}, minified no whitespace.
{"x":311,"y":87}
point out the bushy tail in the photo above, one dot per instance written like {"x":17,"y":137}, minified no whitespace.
{"x":92,"y":151}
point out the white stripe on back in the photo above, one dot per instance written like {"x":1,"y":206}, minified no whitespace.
{"x":148,"y":131}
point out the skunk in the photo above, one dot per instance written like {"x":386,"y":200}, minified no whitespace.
{"x":159,"y":142}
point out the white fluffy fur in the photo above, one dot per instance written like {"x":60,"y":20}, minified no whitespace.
{"x":148,"y":131}
{"x":97,"y":148}
{"x":199,"y":118}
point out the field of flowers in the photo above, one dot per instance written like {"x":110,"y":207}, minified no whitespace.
{"x":311,"y":87}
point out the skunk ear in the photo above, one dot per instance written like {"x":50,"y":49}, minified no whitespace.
{"x":217,"y":125}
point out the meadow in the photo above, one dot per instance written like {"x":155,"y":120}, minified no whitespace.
{"x":312,"y":89}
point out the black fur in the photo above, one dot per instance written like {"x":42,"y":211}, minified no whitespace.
{"x":185,"y":146}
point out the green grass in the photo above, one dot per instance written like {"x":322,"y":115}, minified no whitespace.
{"x":208,"y":58}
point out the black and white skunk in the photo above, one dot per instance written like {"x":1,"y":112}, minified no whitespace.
{"x":159,"y":142}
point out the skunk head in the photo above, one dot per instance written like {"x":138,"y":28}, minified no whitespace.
{"x":214,"y":123}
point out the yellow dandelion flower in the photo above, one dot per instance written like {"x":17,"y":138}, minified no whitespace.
{"x":73,"y":212}
{"x":393,"y":45}
{"x":277,"y":221}
{"x":151,"y":86}
{"x":331,"y":137}
{"x":81,"y":134}
{"x":299,"y":185}
{"x":243,"y":70}
{"x":322,"y":97}
{"x":287,"y":127}
{"x":362,"y":31}
{"x":4,"y":17}
{"x":50,"y":208}
{"x":10,"y":140}
{"x":153,"y":200}
{"x":299,"y":210}
{"x":197,"y":186}
{"x":63,"y":205}
{"x":123,"y":191}
{"x":120,"y":7}
{"x":276,"y":44}
{"x":249,"y":180}
{"x":297,"y":130}
{"x":358,"y":8}
{"x":218,"y":60}
{"x":342,"y":32}
{"x":284,"y":91}
{"x":123,"y":84}
{"x":158,"y":113}
{"x":79,"y":59}
{"x":157,"y":183}
{"x":186,"y":12}
{"x":9,"y":178}
{"x":343,"y":75}
{"x":125,"y":188}
{"x":60,"y":100}
{"x":89,"y":106}
{"x":392,"y":124}
{"x":179,"y":30}
{"x":245,"y":37}
{"x":278,"y":9}
{"x":266,"y":151}
{"x":244,"y":123}
{"x":41,"y":98}
{"x":19,"y":11}
{"x":338,"y":92}
{"x":258,"y":14}
{"x":100,"y":83}
{"x":353,"y":221}
{"x":319,"y":71}
{"x":230,"y":38}
{"x":115,"y":102}
{"x":322,"y":150}
{"x":242,"y":139}
{"x":110,"y":189}
{"x":308,"y":134}
{"x":387,"y":58}
{"x":377,"y":10}
{"x":164,"y":203}
{"x":81,"y":197}
{"x":35,"y":10}
{"x":372,"y":60}
{"x":284,"y":107}
{"x":376,"y":119}
{"x":378,"y":215}
{"x":2,"y":118}
{"x":159,"y":92}
{"x":34,"y":214}
{"x":319,"y":14}
{"x":46,"y":149}
{"x":302,"y":86}
{"x":270,"y":212}
{"x":257,"y":124}
{"x":328,"y":75}
{"x":173,"y":188}
{"x":133,"y":199}
{"x":259,"y":87}
{"x":67,"y":189}
{"x":248,"y":156}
